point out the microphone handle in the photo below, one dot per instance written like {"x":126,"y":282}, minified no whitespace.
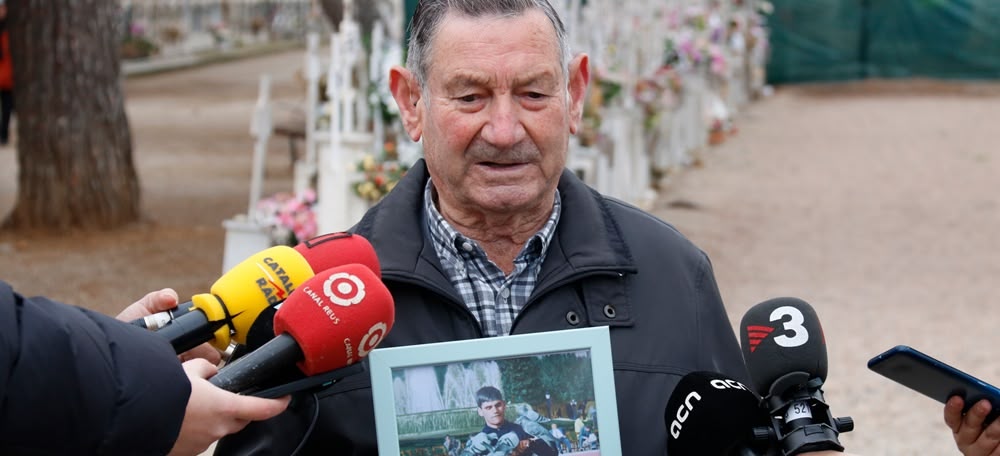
{"x":160,"y":319}
{"x":259,"y":365}
{"x":189,"y":330}
{"x":805,"y":422}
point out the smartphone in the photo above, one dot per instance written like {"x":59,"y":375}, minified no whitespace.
{"x":934,"y":379}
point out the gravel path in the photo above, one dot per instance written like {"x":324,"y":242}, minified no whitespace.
{"x":878,"y":204}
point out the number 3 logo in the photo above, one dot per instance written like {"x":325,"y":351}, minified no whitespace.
{"x":800,"y":335}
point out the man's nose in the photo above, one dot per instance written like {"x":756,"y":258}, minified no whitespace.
{"x":504,"y":127}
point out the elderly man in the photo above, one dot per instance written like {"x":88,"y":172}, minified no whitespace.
{"x":489,"y":235}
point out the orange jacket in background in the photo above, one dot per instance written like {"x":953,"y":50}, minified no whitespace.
{"x":6,"y":69}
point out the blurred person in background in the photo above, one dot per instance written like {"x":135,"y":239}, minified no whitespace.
{"x":6,"y":78}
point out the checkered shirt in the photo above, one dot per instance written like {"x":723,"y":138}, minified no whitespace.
{"x":494,"y":298}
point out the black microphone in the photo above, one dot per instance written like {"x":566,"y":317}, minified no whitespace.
{"x":711,"y":414}
{"x":785,"y":353}
{"x":260,"y":333}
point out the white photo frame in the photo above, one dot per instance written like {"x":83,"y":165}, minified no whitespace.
{"x":409,"y":413}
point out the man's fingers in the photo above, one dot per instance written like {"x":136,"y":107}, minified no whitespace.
{"x":200,"y":368}
{"x":161,"y":300}
{"x":204,"y":351}
{"x":972,"y":426}
{"x":255,"y":408}
{"x":989,"y":441}
{"x":153,"y":302}
{"x":953,"y":413}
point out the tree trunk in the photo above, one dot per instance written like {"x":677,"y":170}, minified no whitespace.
{"x":74,"y":146}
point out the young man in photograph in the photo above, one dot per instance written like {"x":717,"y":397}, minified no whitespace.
{"x":500,"y":435}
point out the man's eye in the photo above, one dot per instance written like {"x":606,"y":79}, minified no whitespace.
{"x":535,"y":95}
{"x":468,"y":98}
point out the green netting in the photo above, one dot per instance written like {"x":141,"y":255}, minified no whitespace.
{"x":824,"y":40}
{"x":815,"y":40}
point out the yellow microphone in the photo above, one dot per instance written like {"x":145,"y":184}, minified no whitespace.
{"x":237,"y":298}
{"x":242,"y":295}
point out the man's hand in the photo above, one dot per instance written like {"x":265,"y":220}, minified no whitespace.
{"x":159,"y":301}
{"x":213,"y":413}
{"x":970,"y":436}
{"x":153,"y":302}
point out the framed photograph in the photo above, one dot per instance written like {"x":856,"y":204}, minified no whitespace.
{"x":537,"y":394}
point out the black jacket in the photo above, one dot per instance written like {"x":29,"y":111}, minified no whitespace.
{"x":609,"y":264}
{"x":76,"y":382}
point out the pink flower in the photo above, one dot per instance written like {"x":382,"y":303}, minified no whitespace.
{"x":718,"y":61}
{"x":289,"y":215}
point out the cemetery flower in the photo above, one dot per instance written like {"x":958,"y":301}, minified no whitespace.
{"x":379,"y":177}
{"x":290,"y":217}
{"x":220,"y":32}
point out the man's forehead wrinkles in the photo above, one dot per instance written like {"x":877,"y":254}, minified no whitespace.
{"x":465,"y":79}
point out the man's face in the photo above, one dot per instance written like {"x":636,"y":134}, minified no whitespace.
{"x":493,"y":412}
{"x":495,"y":116}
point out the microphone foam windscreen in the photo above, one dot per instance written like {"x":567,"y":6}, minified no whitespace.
{"x":337,"y":317}
{"x":782,"y":336}
{"x":262,"y":280}
{"x":711,"y":414}
{"x":334,"y":249}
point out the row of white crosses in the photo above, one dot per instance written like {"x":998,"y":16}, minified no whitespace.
{"x":333,"y":152}
{"x":625,"y":41}
{"x":615,"y":36}
{"x":245,"y":234}
{"x":337,"y":206}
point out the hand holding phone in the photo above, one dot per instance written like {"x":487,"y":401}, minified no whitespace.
{"x":933,"y":378}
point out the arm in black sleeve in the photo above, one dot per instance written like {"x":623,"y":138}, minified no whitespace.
{"x":74,"y":381}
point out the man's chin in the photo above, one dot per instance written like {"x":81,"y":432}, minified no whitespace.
{"x":508,"y":198}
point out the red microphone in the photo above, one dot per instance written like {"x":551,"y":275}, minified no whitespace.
{"x":332,"y":320}
{"x":321,"y":253}
{"x":331,"y":250}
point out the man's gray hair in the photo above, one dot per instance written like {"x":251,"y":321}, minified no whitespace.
{"x":430,"y":13}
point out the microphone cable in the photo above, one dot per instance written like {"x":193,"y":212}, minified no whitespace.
{"x":312,"y":425}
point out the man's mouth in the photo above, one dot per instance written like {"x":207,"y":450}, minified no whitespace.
{"x":499,"y":165}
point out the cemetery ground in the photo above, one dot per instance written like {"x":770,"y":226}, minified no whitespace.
{"x":878,"y":203}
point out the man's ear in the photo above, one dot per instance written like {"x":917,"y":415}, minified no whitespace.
{"x":406,"y":92}
{"x":578,"y":78}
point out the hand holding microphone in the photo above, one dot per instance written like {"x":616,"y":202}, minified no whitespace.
{"x":238,"y":298}
{"x":157,"y":303}
{"x":332,"y":320}
{"x":321,"y":252}
{"x":235,"y":300}
{"x":785,"y":353}
{"x":212,"y":413}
